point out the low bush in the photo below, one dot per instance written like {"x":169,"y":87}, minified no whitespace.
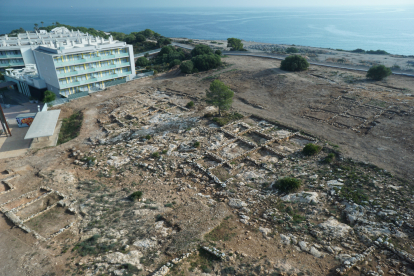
{"x":148,"y":137}
{"x":330,"y":158}
{"x":378,"y":72}
{"x":311,"y":149}
{"x":292,"y":50}
{"x":218,"y":52}
{"x":227,"y":118}
{"x":288,"y":184}
{"x":136,"y":195}
{"x":294,"y":63}
{"x":190,"y":104}
{"x":196,"y":144}
{"x":156,"y":154}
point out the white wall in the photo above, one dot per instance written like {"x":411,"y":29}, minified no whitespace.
{"x":132,"y":61}
{"x":46,"y":68}
{"x":27,"y":54}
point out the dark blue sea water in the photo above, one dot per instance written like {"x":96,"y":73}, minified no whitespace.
{"x":390,"y":29}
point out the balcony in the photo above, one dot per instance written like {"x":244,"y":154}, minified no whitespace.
{"x":92,"y":80}
{"x":14,"y":64}
{"x":90,"y":59}
{"x":11,"y":56}
{"x":95,"y":69}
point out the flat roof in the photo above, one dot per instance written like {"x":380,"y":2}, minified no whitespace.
{"x":43,"y":125}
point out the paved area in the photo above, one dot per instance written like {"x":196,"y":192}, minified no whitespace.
{"x":15,"y":145}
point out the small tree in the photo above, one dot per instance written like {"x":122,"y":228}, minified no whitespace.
{"x":294,"y":63}
{"x":218,"y":52}
{"x":42,"y":23}
{"x":140,"y":38}
{"x":219,"y":95}
{"x":187,"y":67}
{"x":141,"y":62}
{"x":201,"y":50}
{"x":49,"y":96}
{"x":235,"y":44}
{"x":378,"y":72}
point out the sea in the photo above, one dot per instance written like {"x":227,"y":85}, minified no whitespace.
{"x":386,"y":28}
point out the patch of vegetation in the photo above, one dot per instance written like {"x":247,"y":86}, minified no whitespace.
{"x":91,"y":247}
{"x":190,"y":104}
{"x":196,"y":144}
{"x":311,"y":149}
{"x":70,"y":128}
{"x":136,"y":196}
{"x":142,"y":62}
{"x":129,"y":269}
{"x":49,"y":96}
{"x":378,"y":72}
{"x":148,"y":137}
{"x":227,"y":118}
{"x":228,"y":271}
{"x":235,"y":44}
{"x":90,"y":161}
{"x":288,"y":184}
{"x":330,"y":158}
{"x":355,"y":195}
{"x":187,"y":67}
{"x":292,"y":50}
{"x":294,"y":63}
{"x":155,"y":154}
{"x":201,"y":50}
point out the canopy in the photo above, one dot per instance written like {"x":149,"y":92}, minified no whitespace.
{"x":43,"y":125}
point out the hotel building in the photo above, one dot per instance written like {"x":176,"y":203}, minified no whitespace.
{"x":69,"y":62}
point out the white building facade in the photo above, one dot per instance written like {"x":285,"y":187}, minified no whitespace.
{"x":75,"y":62}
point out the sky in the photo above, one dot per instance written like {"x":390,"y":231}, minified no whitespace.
{"x":209,"y":3}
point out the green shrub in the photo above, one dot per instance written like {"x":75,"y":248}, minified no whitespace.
{"x":196,"y":144}
{"x":288,"y":184}
{"x":378,"y":72}
{"x":148,"y":137}
{"x":190,"y":104}
{"x":136,"y":195}
{"x":330,"y":158}
{"x":227,"y":118}
{"x":218,"y":52}
{"x":206,"y":62}
{"x":311,"y":149}
{"x":187,"y":67}
{"x":175,"y":62}
{"x":292,"y":50}
{"x":141,"y":62}
{"x":155,"y":154}
{"x":49,"y":96}
{"x":294,"y":63}
{"x":201,"y":50}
